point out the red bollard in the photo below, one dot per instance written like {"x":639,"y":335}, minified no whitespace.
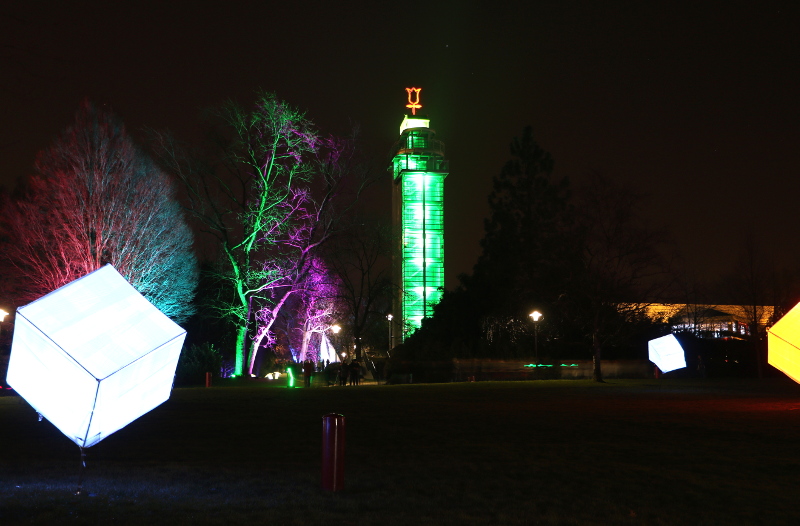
{"x":333,"y":452}
{"x":208,"y":379}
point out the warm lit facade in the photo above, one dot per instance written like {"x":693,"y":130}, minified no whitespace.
{"x":418,"y":172}
{"x":715,"y":321}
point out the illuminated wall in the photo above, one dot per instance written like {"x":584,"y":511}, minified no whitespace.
{"x":419,"y":169}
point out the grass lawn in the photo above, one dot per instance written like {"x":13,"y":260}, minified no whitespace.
{"x":546,"y":452}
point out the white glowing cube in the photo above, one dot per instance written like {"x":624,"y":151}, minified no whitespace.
{"x":666,"y":353}
{"x":93,"y":356}
{"x":783,"y":341}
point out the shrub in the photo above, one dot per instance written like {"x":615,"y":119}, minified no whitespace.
{"x":195,"y":361}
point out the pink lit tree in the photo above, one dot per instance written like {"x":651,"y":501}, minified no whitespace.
{"x":96,"y":198}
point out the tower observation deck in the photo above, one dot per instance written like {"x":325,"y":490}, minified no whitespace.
{"x":418,"y":171}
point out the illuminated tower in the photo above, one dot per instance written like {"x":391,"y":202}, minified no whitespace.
{"x":418,"y":170}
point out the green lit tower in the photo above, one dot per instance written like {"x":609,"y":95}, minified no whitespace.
{"x":418,"y":171}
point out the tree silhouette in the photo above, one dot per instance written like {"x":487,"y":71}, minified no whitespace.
{"x":621,"y":269}
{"x":527,"y":252}
{"x":528,"y":255}
{"x":95,"y":198}
{"x":359,"y":258}
{"x":588,"y":263}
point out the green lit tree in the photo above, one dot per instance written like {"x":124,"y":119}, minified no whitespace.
{"x":269,"y":194}
{"x":291,"y":269}
{"x":96,"y":198}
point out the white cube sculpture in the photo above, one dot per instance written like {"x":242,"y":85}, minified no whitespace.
{"x":666,"y":353}
{"x":93,"y":356}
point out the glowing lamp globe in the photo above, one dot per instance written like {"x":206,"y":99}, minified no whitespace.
{"x":783,"y":344}
{"x":666,"y":353}
{"x":93,"y":356}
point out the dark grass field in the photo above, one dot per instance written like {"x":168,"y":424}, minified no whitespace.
{"x":557,"y":452}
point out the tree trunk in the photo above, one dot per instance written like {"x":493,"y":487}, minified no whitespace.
{"x":758,"y":345}
{"x":241,"y":337}
{"x":357,"y":339}
{"x":241,"y":345}
{"x":262,"y":332}
{"x":597,"y":349}
{"x":304,"y":345}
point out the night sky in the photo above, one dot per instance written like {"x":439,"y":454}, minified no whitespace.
{"x":695,"y":103}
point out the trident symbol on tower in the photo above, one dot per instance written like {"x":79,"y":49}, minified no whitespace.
{"x":413,"y":104}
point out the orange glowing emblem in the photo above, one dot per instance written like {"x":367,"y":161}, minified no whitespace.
{"x":413,"y":104}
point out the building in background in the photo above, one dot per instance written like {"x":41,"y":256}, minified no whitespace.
{"x":418,"y":170}
{"x":713,"y":321}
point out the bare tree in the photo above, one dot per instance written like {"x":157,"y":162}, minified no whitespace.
{"x":96,"y":199}
{"x":268,"y":194}
{"x":763,"y":292}
{"x":620,"y":269}
{"x":360,"y":260}
{"x":318,"y":306}
{"x":292,"y":268}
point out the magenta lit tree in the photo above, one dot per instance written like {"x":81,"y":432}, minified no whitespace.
{"x":295,"y":275}
{"x":316,"y":309}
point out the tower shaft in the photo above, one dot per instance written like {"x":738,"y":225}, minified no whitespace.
{"x":419,"y":169}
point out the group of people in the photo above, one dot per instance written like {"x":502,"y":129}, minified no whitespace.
{"x":351,"y":371}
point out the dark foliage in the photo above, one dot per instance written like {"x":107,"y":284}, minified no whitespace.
{"x":526,"y":260}
{"x":587,"y":262}
{"x":196,"y":360}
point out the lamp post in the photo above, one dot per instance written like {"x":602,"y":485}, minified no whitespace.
{"x":3,"y":315}
{"x":390,"y":317}
{"x":536,"y":316}
{"x":335,"y":330}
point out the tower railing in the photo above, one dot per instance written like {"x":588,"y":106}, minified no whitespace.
{"x":429,"y":146}
{"x":426,"y":165}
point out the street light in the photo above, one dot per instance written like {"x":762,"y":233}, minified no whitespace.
{"x":3,"y":315}
{"x":390,"y":317}
{"x":335,"y":329}
{"x":536,"y":315}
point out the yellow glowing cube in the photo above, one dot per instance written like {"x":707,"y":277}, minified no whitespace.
{"x":783,"y":341}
